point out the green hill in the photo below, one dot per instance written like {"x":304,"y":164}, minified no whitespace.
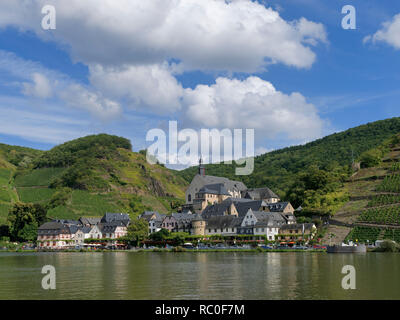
{"x":278,"y":169}
{"x":87,"y":177}
{"x":373,"y":210}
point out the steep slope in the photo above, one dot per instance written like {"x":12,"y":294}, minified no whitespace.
{"x":276,"y":169}
{"x":94,"y":174}
{"x":10,"y":158}
{"x":373,"y":211}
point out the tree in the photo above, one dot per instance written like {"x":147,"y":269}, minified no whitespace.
{"x":371,"y":158}
{"x":138,"y":230}
{"x":160,"y":235}
{"x":24,"y":219}
{"x":179,"y":237}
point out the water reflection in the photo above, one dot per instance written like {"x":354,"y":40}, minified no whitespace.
{"x":123,"y":275}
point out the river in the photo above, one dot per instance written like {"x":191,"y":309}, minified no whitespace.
{"x":187,"y":275}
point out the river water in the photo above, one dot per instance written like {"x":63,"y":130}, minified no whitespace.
{"x":189,"y":275}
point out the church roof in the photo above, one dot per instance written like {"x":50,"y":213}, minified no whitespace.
{"x":261,"y":193}
{"x":217,"y":188}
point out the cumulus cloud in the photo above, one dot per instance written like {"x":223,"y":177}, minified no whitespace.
{"x":252,"y":103}
{"x":77,"y":96}
{"x":39,"y":87}
{"x":389,"y":33}
{"x":134,"y":48}
{"x":145,"y":86}
{"x":238,"y":35}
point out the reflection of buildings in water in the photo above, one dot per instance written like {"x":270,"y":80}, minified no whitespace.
{"x":147,"y":274}
{"x":119,"y":273}
{"x":220,"y":275}
{"x":290,"y":268}
{"x":202,"y":275}
{"x":79,"y":275}
{"x":273,"y":273}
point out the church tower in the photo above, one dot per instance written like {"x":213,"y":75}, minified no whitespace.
{"x":202,"y":169}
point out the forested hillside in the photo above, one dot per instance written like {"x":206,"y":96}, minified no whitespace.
{"x":86,"y":177}
{"x":279,"y":169}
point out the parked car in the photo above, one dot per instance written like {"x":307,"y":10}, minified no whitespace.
{"x":188,"y":245}
{"x":300,"y":247}
{"x":266,"y":247}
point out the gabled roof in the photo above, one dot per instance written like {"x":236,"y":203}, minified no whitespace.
{"x":241,"y":205}
{"x":260,"y":193}
{"x":218,"y":222}
{"x":110,"y":217}
{"x":254,"y":205}
{"x":199,"y":181}
{"x":73,"y":229}
{"x":268,"y":218}
{"x":111,"y":226}
{"x":53,"y":225}
{"x":183,"y":219}
{"x":89,"y":220}
{"x":278,"y":206}
{"x":217,"y":188}
{"x":68,"y":222}
{"x":147,"y":215}
{"x":53,"y":228}
{"x":86,"y":229}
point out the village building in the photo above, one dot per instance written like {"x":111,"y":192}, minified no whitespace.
{"x":183,"y":222}
{"x":233,"y":188}
{"x":297,"y":232}
{"x":53,"y":235}
{"x":261,"y":223}
{"x":89,"y":221}
{"x":222,"y":225}
{"x":169,"y":223}
{"x":265,"y":194}
{"x":154,"y":219}
{"x":114,"y":230}
{"x":208,"y":195}
{"x":286,"y":209}
{"x":113,"y":217}
{"x":232,"y":206}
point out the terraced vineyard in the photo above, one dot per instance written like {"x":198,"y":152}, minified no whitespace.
{"x":373,"y":212}
{"x":390,"y":184}
{"x":392,"y":234}
{"x":384,"y":199}
{"x":385,"y":215}
{"x":364,"y":234}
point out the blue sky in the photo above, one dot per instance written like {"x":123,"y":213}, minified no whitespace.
{"x":91,"y":75}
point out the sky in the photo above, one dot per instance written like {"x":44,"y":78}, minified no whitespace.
{"x":287,"y":69}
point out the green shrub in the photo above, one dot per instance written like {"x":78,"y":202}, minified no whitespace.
{"x":388,"y":246}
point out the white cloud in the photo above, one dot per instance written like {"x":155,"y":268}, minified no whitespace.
{"x":77,"y":96}
{"x":252,"y":103}
{"x":128,"y":46}
{"x":389,"y":33}
{"x":237,"y":35}
{"x":147,"y":86}
{"x":40,"y":87}
{"x":44,"y":83}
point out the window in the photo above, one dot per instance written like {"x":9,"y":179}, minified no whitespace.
{"x":189,"y":197}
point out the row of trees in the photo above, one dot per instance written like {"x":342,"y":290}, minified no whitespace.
{"x":138,"y":232}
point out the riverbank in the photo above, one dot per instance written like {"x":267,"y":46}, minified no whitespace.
{"x":258,"y":250}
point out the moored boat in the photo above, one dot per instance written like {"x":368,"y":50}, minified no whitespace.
{"x":343,"y":248}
